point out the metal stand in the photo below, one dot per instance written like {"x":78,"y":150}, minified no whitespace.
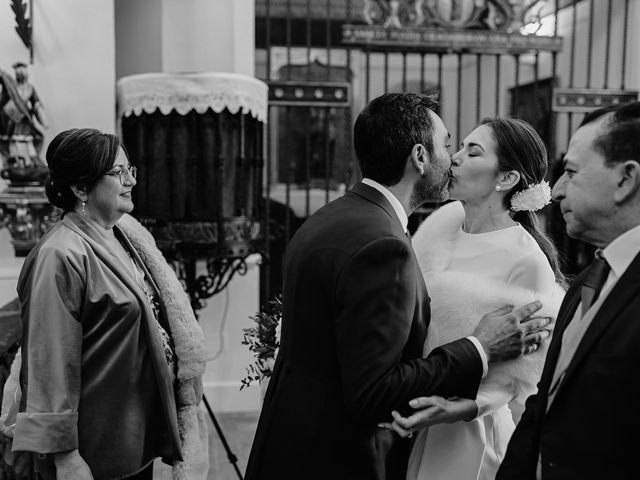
{"x":219,"y":274}
{"x":233,"y":459}
{"x":224,"y":246}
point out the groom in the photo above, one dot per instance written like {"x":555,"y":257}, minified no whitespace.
{"x":356,"y":312}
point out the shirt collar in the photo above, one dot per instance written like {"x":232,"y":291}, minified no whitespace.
{"x":621,"y":252}
{"x":395,"y":203}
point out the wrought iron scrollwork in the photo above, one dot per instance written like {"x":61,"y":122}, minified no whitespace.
{"x":220,"y":271}
{"x":499,"y":15}
{"x":224,"y":246}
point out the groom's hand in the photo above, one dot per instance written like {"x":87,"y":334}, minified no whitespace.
{"x":507,"y":333}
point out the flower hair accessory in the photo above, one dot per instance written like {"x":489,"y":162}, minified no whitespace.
{"x":532,"y":198}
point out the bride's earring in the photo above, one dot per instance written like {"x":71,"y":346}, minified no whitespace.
{"x":84,"y":204}
{"x":498,"y":188}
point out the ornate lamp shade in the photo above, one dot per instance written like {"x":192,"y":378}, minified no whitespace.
{"x":197,"y":140}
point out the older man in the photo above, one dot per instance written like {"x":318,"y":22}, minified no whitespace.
{"x":584,"y":423}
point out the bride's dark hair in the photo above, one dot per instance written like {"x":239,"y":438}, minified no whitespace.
{"x":520,"y":148}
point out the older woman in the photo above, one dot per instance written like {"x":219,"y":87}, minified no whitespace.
{"x":112,"y":356}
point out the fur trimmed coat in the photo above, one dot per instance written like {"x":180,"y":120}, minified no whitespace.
{"x":190,"y":357}
{"x":461,"y":299}
{"x":467,"y":277}
{"x":190,"y":353}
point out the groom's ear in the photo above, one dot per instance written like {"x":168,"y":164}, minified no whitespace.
{"x":508,"y":180}
{"x":419,"y":158}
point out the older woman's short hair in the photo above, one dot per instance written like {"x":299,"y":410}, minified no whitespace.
{"x":80,"y":156}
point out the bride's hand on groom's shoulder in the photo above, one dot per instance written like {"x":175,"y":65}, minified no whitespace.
{"x":432,"y":411}
{"x":507,"y":333}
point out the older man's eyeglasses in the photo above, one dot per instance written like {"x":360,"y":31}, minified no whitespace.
{"x":123,"y":173}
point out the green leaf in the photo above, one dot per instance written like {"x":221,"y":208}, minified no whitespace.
{"x":261,"y":341}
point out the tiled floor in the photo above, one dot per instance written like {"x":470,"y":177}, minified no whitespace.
{"x":239,"y":430}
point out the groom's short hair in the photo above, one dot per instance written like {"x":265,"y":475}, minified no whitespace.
{"x":386,"y":131}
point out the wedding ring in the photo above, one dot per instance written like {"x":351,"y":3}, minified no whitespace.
{"x":532,"y":348}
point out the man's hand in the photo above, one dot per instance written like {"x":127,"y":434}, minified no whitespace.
{"x":71,"y":466}
{"x":432,"y":411}
{"x":507,"y":333}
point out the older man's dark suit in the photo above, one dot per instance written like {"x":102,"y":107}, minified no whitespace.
{"x":356,"y":313}
{"x":592,"y":428}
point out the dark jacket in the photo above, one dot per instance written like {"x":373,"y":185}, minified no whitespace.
{"x":355,"y":317}
{"x":94,"y":374}
{"x":590,"y":430}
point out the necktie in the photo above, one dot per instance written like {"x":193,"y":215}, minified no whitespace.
{"x":593,"y":282}
{"x":572,"y":336}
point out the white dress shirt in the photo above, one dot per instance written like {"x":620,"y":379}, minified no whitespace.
{"x":619,"y":254}
{"x":404,"y":221}
{"x":395,"y":203}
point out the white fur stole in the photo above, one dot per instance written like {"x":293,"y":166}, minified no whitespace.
{"x":460,"y":300}
{"x":190,"y":353}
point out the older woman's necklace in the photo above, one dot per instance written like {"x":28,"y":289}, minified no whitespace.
{"x":139,"y":277}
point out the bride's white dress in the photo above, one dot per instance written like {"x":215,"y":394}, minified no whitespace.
{"x":468,"y":275}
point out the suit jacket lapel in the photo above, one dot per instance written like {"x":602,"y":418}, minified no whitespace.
{"x":374,"y":196}
{"x":141,"y":264}
{"x":567,"y":310}
{"x":618,"y":298}
{"x":93,"y":238}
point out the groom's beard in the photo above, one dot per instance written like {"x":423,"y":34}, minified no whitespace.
{"x":429,"y":189}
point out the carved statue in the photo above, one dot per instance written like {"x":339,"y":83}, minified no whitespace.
{"x":500,"y":15}
{"x":22,"y":126}
{"x":392,"y":19}
{"x":393,"y":13}
{"x":456,"y":10}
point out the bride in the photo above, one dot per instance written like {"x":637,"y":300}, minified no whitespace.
{"x":479,"y":253}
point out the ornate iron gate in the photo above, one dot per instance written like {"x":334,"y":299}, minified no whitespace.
{"x":324,"y":60}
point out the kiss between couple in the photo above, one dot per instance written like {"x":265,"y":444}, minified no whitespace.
{"x":397,"y":363}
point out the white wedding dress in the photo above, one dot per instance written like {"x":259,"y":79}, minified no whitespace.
{"x":468,"y":275}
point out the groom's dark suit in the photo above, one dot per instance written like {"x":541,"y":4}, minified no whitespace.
{"x":591,"y":429}
{"x":356,"y":312}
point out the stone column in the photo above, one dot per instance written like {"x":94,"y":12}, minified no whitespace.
{"x":208,"y":36}
{"x":175,"y":36}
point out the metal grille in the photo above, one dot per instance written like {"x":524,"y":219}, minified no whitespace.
{"x":318,"y":82}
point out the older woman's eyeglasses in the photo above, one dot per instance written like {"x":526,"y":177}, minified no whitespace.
{"x":123,"y":172}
